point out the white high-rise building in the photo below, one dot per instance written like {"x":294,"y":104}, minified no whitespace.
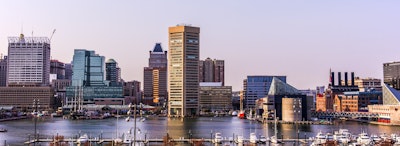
{"x":28,"y":61}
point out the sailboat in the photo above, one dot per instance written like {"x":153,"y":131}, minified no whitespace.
{"x":117,"y":139}
{"x":274,"y":139}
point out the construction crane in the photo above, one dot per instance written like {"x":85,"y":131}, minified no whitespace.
{"x":54,"y":31}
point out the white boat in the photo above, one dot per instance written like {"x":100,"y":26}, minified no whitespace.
{"x":234,"y":113}
{"x":239,"y":139}
{"x":364,"y":139}
{"x":118,"y":140}
{"x":274,"y":140}
{"x":82,"y":139}
{"x":127,"y":138}
{"x":395,"y":138}
{"x":253,"y":138}
{"x":375,"y":138}
{"x":217,"y":138}
{"x":342,"y":136}
{"x":384,"y":137}
{"x":263,"y":139}
{"x":319,"y":139}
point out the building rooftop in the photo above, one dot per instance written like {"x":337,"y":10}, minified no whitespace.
{"x":278,"y":87}
{"x":158,"y":48}
{"x":390,"y":95}
{"x":23,"y":39}
{"x":208,"y":84}
{"x":111,"y":61}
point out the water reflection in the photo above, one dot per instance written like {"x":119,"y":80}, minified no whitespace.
{"x":157,"y":127}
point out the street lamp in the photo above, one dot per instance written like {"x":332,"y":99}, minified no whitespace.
{"x":35,"y":114}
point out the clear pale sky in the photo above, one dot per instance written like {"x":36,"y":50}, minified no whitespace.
{"x":300,"y":39}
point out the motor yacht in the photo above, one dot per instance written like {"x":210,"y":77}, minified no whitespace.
{"x":319,"y":139}
{"x":263,"y":139}
{"x":364,"y":139}
{"x":82,"y":139}
{"x":217,"y":138}
{"x":253,"y":138}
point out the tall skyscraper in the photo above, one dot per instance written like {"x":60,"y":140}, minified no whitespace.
{"x":155,"y":76}
{"x":88,"y":80}
{"x":183,"y":71}
{"x":391,"y":74}
{"x":113,"y":72}
{"x":212,"y":71}
{"x":28,"y":60}
{"x":3,"y":71}
{"x":88,"y":68}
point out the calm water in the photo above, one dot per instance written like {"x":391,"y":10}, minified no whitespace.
{"x":157,"y":127}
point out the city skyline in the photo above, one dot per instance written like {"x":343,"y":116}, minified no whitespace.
{"x":311,"y":37}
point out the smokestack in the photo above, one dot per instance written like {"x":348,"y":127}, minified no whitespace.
{"x":352,"y":79}
{"x":333,"y":78}
{"x":340,"y":78}
{"x":345,"y":79}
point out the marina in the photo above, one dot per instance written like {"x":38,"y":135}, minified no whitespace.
{"x":154,"y":129}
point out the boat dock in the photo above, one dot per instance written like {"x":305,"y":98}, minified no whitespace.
{"x":169,"y":141}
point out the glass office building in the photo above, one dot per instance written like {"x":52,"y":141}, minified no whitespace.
{"x":256,"y":87}
{"x":88,"y":78}
{"x":88,"y":68}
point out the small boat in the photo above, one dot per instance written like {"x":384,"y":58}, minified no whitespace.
{"x":217,"y":138}
{"x":364,"y":139}
{"x":83,"y":139}
{"x":263,"y":139}
{"x":241,"y":115}
{"x":274,"y":140}
{"x":376,"y":138}
{"x":319,"y":139}
{"x":127,"y":138}
{"x":341,"y":137}
{"x":234,"y":113}
{"x":239,"y":139}
{"x":3,"y":130}
{"x":253,"y":138}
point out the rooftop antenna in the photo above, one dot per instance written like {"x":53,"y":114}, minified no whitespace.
{"x":22,"y":28}
{"x":54,"y":31}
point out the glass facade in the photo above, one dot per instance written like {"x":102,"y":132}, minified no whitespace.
{"x":390,"y":95}
{"x":89,"y":93}
{"x":257,"y":87}
{"x":88,"y":69}
{"x":88,"y":73}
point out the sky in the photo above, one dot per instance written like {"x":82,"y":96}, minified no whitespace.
{"x":300,"y":39}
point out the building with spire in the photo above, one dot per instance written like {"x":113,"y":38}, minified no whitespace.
{"x":155,"y":77}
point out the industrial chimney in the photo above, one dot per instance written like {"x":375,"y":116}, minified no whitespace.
{"x":340,"y":78}
{"x":345,"y":79}
{"x":352,"y":79}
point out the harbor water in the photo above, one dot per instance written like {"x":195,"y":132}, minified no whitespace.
{"x":20,"y":131}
